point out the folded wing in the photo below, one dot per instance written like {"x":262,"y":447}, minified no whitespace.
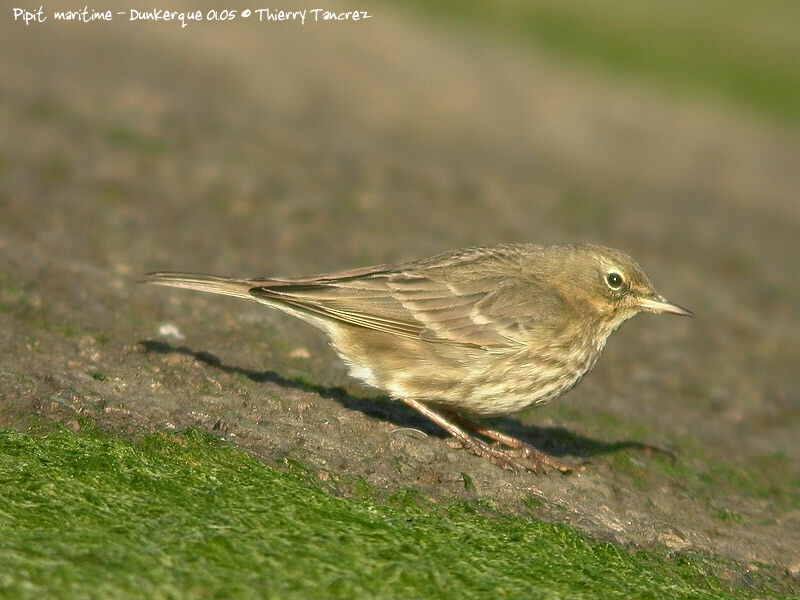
{"x":478,"y":311}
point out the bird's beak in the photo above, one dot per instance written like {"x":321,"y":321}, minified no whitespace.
{"x":659,"y":304}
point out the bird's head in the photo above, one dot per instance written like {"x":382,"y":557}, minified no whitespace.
{"x":613,"y":284}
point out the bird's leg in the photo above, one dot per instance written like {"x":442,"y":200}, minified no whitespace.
{"x":497,"y":456}
{"x":539,"y":461}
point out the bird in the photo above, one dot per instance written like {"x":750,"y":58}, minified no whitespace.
{"x":467,"y":334}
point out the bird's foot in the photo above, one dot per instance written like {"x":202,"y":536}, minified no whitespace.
{"x":507,"y":452}
{"x":520,"y":457}
{"x":522,"y":453}
{"x":539,"y":462}
{"x":494,"y":452}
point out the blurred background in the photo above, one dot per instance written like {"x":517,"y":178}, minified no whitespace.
{"x":668,"y":130}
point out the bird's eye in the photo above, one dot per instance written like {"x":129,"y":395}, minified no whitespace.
{"x":614,"y":280}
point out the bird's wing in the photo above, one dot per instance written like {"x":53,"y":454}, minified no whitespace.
{"x":481,"y":311}
{"x":359,"y":297}
{"x":475,"y":311}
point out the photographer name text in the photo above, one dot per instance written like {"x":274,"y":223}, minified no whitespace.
{"x":185,"y":17}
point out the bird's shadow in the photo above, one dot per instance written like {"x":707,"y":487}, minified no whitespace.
{"x":555,"y":441}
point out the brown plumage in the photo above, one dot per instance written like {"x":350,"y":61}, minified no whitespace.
{"x":479,"y":332}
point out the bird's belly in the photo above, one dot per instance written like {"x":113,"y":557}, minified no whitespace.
{"x":470,"y":381}
{"x":495,"y":386}
{"x":496,"y":396}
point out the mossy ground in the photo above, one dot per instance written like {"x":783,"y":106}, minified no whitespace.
{"x":184,"y":516}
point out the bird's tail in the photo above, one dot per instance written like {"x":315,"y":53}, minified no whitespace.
{"x":227,"y":286}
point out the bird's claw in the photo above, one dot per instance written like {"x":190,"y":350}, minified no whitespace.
{"x":522,"y":458}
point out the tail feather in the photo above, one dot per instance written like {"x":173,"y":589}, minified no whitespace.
{"x":227,"y":286}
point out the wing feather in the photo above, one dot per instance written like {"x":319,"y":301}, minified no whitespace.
{"x":478,"y":298}
{"x":477,"y":313}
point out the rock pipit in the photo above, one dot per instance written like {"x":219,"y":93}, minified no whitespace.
{"x":481,"y":332}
